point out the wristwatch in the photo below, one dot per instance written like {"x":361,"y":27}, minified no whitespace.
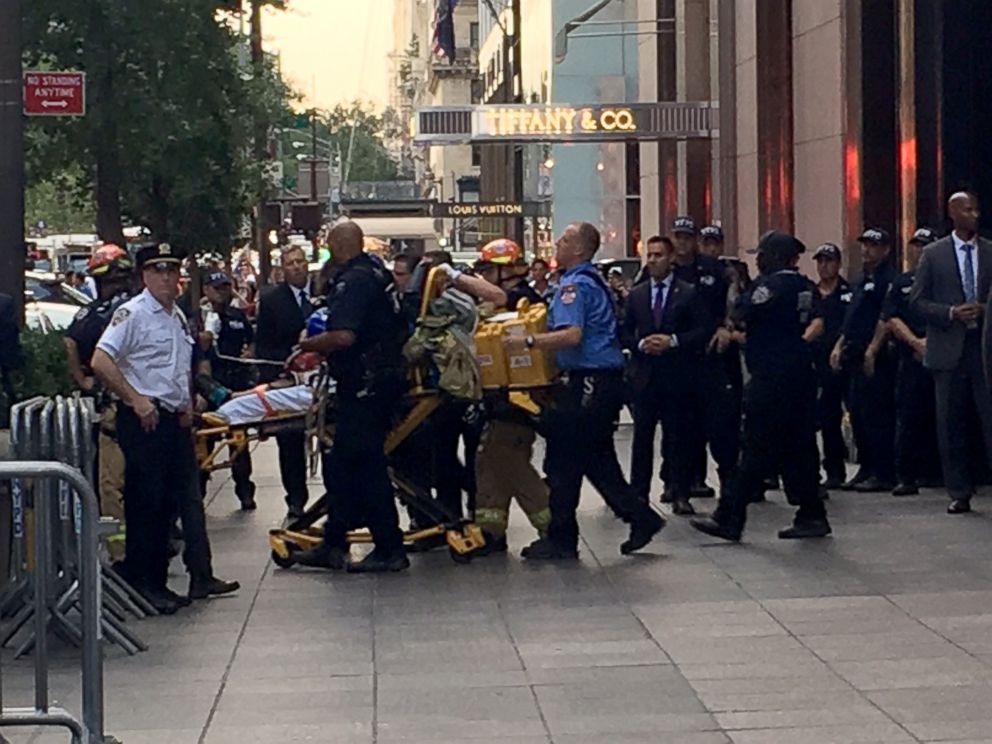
{"x":529,"y":342}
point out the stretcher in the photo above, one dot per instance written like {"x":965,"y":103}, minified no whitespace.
{"x":219,"y":443}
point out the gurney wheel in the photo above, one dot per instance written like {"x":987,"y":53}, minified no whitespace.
{"x":457,"y":557}
{"x":285,"y":562}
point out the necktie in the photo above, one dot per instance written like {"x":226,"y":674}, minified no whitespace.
{"x":658,"y":308}
{"x":970,"y":290}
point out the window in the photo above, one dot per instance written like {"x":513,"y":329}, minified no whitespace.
{"x":473,"y":35}
{"x":476,"y":155}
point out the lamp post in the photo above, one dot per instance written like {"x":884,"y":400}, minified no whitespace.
{"x":12,"y":248}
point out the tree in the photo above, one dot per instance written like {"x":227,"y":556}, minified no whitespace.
{"x":167,"y":143}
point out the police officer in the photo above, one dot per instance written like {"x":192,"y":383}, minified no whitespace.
{"x":916,"y":414}
{"x":364,"y":339}
{"x":711,"y":241}
{"x":834,"y":297}
{"x":232,"y":339}
{"x":780,"y":398}
{"x":145,"y":358}
{"x":580,"y":422}
{"x":112,"y":268}
{"x":711,"y":399}
{"x":861,"y":350}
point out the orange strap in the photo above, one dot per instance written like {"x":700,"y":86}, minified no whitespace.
{"x":269,"y":410}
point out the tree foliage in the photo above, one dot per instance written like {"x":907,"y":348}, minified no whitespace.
{"x":169,"y":133}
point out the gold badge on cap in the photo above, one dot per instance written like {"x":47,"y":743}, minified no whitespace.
{"x":164,"y":249}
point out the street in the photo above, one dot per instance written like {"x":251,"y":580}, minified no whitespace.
{"x":881,"y":634}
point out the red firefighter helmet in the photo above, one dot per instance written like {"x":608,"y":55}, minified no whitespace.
{"x":501,"y":251}
{"x":109,"y":258}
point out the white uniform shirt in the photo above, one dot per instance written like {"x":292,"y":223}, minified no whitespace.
{"x":153,"y":350}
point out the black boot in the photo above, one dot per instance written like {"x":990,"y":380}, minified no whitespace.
{"x":376,"y":562}
{"x":322,"y":556}
{"x":543,"y":549}
{"x":211,"y":587}
{"x":642,"y":532}
{"x":714,"y":528}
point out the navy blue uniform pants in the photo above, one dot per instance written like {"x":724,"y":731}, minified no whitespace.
{"x":356,"y":476}
{"x":160,"y":479}
{"x":873,"y":417}
{"x":580,"y":425}
{"x":779,"y":435}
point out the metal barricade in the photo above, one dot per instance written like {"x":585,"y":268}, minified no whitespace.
{"x":60,"y":429}
{"x":90,"y":729}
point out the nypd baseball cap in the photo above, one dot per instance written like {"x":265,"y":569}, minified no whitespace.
{"x":828,"y":251}
{"x":711,"y":232}
{"x":218,"y":279}
{"x":923,"y":236}
{"x":685,"y":225}
{"x":876,"y":236}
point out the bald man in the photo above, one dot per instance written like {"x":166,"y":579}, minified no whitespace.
{"x":364,"y":342}
{"x":952,"y":283}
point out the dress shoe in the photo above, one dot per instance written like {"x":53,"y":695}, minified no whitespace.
{"x":852,"y":484}
{"x":161,"y":601}
{"x":713,"y":528}
{"x":905,"y":489}
{"x":819,"y":528}
{"x":668,"y":495}
{"x":493,"y":544}
{"x":874,"y":485}
{"x":179,"y":599}
{"x":701,"y":491}
{"x":682,"y":508}
{"x":247,"y":498}
{"x":543,"y":549}
{"x":959,"y":506}
{"x":834,"y":483}
{"x":376,"y":562}
{"x":294,"y":513}
{"x":771,"y":483}
{"x":322,"y":556}
{"x":642,"y":532}
{"x":758,"y":497}
{"x":212,"y":587}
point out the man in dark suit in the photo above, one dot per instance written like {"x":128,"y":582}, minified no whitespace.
{"x":954,"y":275}
{"x":664,"y":328}
{"x":282,"y":314}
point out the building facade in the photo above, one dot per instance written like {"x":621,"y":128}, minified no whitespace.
{"x":421,"y":78}
{"x":834,"y":114}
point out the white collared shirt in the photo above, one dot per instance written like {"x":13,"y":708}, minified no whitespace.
{"x":153,"y":349}
{"x":960,"y":255}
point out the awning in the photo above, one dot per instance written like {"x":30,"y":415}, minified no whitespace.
{"x":389,"y":228}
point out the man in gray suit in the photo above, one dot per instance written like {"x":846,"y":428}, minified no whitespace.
{"x":954,"y":274}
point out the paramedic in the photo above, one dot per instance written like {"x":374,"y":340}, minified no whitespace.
{"x":581,"y":420}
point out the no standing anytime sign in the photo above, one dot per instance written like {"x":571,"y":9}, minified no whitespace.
{"x":55,"y":93}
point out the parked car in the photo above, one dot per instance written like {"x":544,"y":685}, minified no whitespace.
{"x":49,"y":316}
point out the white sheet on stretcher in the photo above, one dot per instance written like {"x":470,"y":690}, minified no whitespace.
{"x":248,"y":408}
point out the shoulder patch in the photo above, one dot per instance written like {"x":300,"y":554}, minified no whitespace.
{"x":869,"y":286}
{"x":83,"y":312}
{"x":568,"y":294}
{"x":760,"y":295}
{"x":846,"y":296}
{"x":120,"y":315}
{"x":707,"y":280}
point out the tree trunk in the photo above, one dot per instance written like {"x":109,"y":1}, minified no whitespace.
{"x":109,"y":225}
{"x":12,"y":248}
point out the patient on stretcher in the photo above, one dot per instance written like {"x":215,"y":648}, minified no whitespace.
{"x":294,"y":393}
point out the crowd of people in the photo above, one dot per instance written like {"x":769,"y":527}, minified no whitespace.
{"x":744,"y":371}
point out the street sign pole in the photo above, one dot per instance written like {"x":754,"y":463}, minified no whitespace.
{"x":12,"y":248}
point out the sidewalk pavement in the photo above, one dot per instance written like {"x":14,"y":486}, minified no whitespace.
{"x":882,"y":633}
